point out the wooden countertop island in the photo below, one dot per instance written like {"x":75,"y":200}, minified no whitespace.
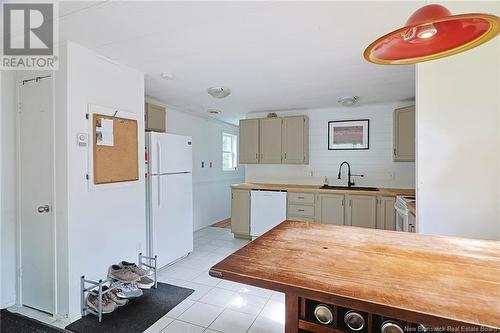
{"x":412,"y":278}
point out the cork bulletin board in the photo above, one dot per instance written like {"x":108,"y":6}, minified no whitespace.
{"x":115,"y":149}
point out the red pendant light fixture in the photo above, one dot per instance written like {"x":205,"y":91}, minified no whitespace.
{"x":432,"y":33}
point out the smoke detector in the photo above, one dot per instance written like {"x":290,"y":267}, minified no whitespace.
{"x":167,"y":76}
{"x":348,"y":100}
{"x":219,"y":92}
{"x":214,"y":112}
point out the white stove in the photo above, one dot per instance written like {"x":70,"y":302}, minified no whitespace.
{"x":402,"y":220}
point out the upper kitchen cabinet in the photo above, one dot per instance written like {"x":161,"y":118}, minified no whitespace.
{"x":270,"y":140}
{"x":249,"y":141}
{"x":361,"y":211}
{"x":404,"y":134}
{"x":155,"y":118}
{"x":274,"y":140}
{"x":295,"y":140}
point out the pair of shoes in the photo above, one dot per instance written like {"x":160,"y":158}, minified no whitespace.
{"x":126,"y":290}
{"x":113,"y":294}
{"x":145,"y":283}
{"x":126,"y":272}
{"x":109,"y":301}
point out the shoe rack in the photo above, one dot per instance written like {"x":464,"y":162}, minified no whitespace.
{"x":95,"y":287}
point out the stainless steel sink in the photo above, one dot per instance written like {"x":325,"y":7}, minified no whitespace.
{"x":352,"y":188}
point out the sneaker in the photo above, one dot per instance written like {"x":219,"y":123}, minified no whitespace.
{"x":126,"y":290}
{"x":108,"y":305}
{"x":134,"y":268}
{"x":113,"y":295}
{"x":122,"y":274}
{"x":145,"y":283}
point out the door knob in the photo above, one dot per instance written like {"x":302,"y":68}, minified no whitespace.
{"x":44,"y":209}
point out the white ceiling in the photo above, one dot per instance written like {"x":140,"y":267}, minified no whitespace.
{"x":272,"y":55}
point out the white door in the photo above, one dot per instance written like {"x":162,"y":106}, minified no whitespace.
{"x":35,"y":186}
{"x":170,"y":153}
{"x":172,"y":210}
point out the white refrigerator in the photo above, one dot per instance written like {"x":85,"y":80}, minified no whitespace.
{"x":169,"y":193}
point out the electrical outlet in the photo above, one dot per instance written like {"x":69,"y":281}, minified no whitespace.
{"x":202,"y":165}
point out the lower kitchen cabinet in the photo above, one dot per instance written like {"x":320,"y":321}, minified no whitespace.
{"x":361,"y":211}
{"x":330,"y":209}
{"x":240,"y":213}
{"x":386,"y":214}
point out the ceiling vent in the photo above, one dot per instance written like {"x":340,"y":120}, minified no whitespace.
{"x":214,"y":112}
{"x":348,"y":100}
{"x":219,"y":92}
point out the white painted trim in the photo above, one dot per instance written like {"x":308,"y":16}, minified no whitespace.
{"x":10,"y":303}
{"x":237,"y":161}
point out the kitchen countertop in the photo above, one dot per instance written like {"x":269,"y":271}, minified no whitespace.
{"x":316,"y":189}
{"x":415,"y":277}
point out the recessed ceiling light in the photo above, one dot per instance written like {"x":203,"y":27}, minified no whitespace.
{"x":219,"y":92}
{"x":348,"y":100}
{"x":214,"y":112}
{"x":167,"y":76}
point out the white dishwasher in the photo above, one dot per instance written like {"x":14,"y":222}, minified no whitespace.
{"x":267,"y":210}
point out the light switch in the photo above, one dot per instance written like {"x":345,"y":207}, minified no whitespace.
{"x":82,"y":139}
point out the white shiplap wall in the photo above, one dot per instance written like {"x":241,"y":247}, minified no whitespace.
{"x":376,"y":163}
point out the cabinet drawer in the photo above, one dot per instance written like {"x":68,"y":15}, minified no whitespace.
{"x":299,"y":210}
{"x":302,"y":218}
{"x":306,"y":198}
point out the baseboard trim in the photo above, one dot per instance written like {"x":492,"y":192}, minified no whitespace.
{"x":8,"y":304}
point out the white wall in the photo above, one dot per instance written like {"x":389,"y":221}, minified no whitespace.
{"x":376,"y":163}
{"x":9,"y":190}
{"x":458,"y":145}
{"x":211,"y":191}
{"x":104,"y":225}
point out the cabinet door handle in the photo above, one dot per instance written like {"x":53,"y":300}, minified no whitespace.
{"x":300,"y":210}
{"x":256,"y":156}
{"x":300,"y":197}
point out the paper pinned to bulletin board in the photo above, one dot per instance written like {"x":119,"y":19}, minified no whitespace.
{"x":115,"y":149}
{"x":104,"y":132}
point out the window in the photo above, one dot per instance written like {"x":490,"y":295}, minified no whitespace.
{"x":229,"y":152}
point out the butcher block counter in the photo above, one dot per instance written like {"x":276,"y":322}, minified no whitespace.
{"x":317,"y":189}
{"x":411,"y":278}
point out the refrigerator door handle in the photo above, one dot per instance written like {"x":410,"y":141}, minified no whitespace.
{"x":159,"y":191}
{"x":158,"y":157}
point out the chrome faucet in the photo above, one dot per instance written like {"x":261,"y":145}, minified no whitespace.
{"x":349,"y":182}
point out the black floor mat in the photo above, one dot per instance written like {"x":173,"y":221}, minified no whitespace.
{"x":17,"y":323}
{"x":137,"y":315}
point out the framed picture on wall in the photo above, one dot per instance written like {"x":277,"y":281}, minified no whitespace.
{"x":348,"y":134}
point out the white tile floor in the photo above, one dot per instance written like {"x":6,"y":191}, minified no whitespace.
{"x":216,"y":305}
